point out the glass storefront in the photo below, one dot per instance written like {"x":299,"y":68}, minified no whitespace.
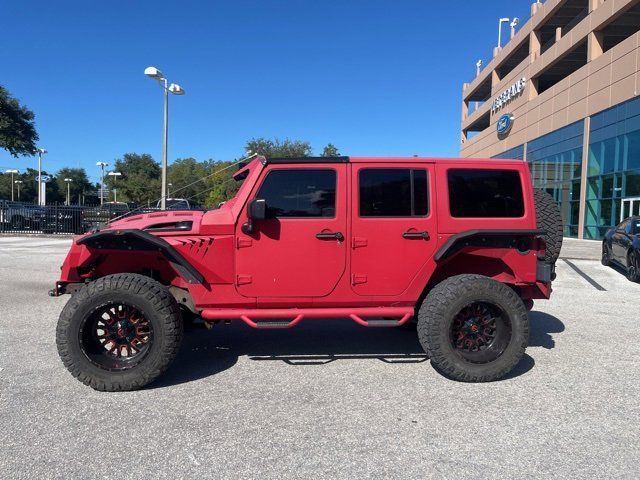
{"x":555,"y":160}
{"x":613,"y":172}
{"x":516,"y":153}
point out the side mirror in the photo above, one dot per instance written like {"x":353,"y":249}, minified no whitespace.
{"x":257,"y":211}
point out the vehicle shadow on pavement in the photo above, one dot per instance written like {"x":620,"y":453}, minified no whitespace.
{"x":541,"y":326}
{"x":316,"y":342}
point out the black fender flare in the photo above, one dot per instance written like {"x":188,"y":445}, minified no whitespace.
{"x":134,"y":239}
{"x":483,"y":238}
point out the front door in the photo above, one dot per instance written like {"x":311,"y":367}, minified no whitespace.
{"x":394,"y":227}
{"x":299,"y":249}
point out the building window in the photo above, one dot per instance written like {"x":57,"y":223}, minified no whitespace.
{"x":299,"y":193}
{"x":516,"y":153}
{"x":393,"y":192}
{"x":555,"y":161}
{"x":613,"y":171}
{"x":485,"y":193}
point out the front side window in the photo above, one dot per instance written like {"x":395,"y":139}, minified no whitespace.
{"x":485,"y":193}
{"x":393,"y":192}
{"x":300,"y":193}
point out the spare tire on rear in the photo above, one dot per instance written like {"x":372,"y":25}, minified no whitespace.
{"x":548,"y":218}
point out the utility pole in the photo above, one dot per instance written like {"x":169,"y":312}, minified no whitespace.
{"x":153,"y":72}
{"x":18,"y":183}
{"x":68,"y":182}
{"x":11,"y":172}
{"x":102,"y":165}
{"x":40,"y":152}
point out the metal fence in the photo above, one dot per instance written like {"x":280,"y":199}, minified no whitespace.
{"x":16,"y":217}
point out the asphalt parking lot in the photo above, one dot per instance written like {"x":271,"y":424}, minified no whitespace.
{"x":326,"y":399}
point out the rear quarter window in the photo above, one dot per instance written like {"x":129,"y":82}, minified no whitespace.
{"x":475,"y":193}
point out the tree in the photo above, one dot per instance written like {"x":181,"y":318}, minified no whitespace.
{"x":279,"y":148}
{"x":140,"y":181}
{"x":187,"y":178}
{"x":330,"y":150}
{"x":17,"y":126}
{"x":222,"y":186}
{"x":80,"y":183}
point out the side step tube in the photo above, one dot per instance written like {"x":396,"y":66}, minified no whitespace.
{"x":272,"y":318}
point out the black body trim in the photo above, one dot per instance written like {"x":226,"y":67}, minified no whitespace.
{"x":483,"y":238}
{"x":285,"y":160}
{"x":140,"y":240}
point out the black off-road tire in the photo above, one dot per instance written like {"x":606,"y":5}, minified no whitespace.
{"x":633,"y":267}
{"x":606,"y":256}
{"x":548,"y":218}
{"x":148,"y":296}
{"x":438,"y":311}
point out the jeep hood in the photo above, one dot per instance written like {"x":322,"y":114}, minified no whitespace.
{"x":177,"y":221}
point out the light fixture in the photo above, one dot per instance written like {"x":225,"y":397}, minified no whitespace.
{"x":153,"y":72}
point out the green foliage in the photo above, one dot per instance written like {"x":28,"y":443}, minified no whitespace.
{"x":140,"y":181}
{"x":330,"y":150}
{"x":222,"y":186}
{"x":77,"y":187}
{"x":278,"y":148}
{"x":17,"y":126}
{"x":187,"y":178}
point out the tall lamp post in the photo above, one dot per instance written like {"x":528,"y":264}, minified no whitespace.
{"x":68,"y":182}
{"x":102,"y":165}
{"x":153,"y":72}
{"x":115,"y":175}
{"x":11,"y":172}
{"x":40,"y":152}
{"x":18,"y":183}
{"x":500,"y":22}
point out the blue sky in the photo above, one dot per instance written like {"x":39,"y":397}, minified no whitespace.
{"x":373,"y":77}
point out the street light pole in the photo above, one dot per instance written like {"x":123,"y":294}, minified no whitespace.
{"x":18,"y":183}
{"x":11,"y":172}
{"x":68,"y":182}
{"x":102,"y":165}
{"x":176,"y":89}
{"x":40,"y":152}
{"x":500,"y":22}
{"x":115,"y":175}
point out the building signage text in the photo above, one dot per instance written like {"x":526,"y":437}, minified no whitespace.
{"x":509,"y":94}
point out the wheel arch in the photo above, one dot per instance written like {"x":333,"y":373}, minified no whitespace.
{"x":139,"y":240}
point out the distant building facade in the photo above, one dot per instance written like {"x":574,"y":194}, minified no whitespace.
{"x":562,"y":94}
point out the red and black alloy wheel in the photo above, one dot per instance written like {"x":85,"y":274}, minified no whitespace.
{"x":116,"y":336}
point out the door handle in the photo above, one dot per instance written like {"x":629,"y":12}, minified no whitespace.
{"x":410,"y":235}
{"x":330,"y":236}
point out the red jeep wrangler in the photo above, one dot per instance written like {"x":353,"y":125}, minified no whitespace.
{"x":463,"y":245}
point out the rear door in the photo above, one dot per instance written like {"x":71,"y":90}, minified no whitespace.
{"x":393,"y":225}
{"x":299,"y":249}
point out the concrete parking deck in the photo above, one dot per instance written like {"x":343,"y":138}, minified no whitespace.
{"x":326,"y":399}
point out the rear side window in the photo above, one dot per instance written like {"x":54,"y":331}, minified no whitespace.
{"x":300,"y":193}
{"x":485,"y":193}
{"x":393,"y":192}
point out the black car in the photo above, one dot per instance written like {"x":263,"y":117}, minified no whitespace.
{"x":621,"y":245}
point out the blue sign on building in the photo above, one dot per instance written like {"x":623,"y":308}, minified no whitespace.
{"x":505,"y":122}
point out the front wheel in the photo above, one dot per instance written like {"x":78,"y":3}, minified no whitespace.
{"x":473,"y":328}
{"x":606,"y":256}
{"x":119,"y":332}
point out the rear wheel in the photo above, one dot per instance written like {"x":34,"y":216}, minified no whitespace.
{"x":633,"y":267}
{"x":119,"y":332}
{"x":473,"y":328}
